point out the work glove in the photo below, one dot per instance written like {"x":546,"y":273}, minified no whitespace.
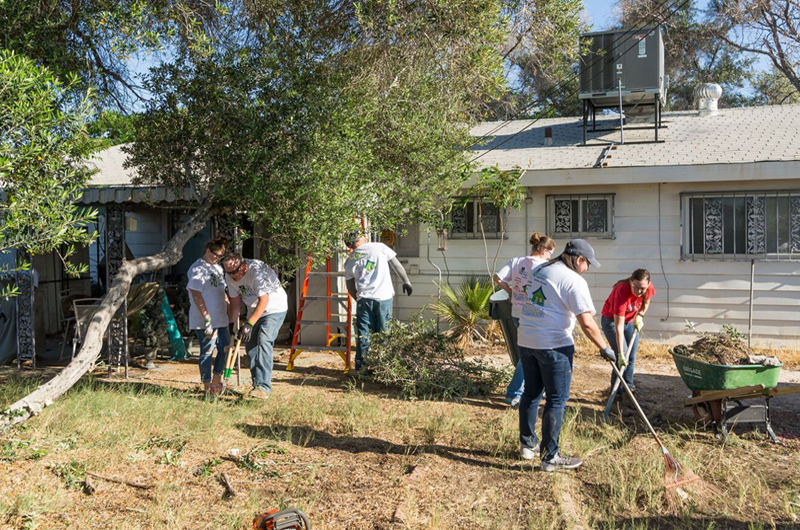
{"x":638,"y":323}
{"x":608,"y":354}
{"x":244,"y":332}
{"x":407,"y":288}
{"x":208,"y":329}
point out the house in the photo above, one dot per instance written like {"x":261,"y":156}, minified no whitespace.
{"x":715,"y":200}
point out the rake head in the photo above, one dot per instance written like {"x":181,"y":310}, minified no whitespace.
{"x":682,"y":485}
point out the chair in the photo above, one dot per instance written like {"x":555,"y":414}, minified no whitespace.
{"x":84,"y":309}
{"x":66,"y":314}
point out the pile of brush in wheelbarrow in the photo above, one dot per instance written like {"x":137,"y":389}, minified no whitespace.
{"x":730,"y":385}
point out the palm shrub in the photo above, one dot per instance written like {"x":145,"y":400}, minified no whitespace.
{"x":466,"y":309}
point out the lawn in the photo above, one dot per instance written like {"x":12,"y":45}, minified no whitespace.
{"x":353,"y":455}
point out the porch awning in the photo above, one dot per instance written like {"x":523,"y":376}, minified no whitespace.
{"x":134,"y":194}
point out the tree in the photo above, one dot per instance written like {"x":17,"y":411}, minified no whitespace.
{"x":692,"y":52}
{"x":542,"y":52}
{"x":94,"y":40}
{"x":42,"y":141}
{"x":308,"y":114}
{"x":766,"y":28}
{"x":773,"y":88}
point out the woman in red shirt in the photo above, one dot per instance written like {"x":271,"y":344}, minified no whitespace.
{"x":627,"y":303}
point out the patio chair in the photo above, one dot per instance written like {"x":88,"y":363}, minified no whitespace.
{"x":66,"y":315}
{"x":84,"y":309}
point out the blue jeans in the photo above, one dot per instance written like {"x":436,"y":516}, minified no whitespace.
{"x":550,"y":371}
{"x":221,"y":340}
{"x":517,"y":384}
{"x":371,"y":317}
{"x":610,"y":332}
{"x":260,"y":346}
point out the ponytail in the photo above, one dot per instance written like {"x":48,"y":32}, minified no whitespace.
{"x":540,"y":244}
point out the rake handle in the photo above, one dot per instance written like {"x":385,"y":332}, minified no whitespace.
{"x":615,"y":386}
{"x":638,"y":408}
{"x":229,"y":362}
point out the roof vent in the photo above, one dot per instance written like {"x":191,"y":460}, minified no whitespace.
{"x":707,"y":95}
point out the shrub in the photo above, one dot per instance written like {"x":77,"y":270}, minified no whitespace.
{"x":424,"y":363}
{"x":466,"y":309}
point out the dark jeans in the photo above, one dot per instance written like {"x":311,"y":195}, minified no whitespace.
{"x":259,"y":349}
{"x":607,"y":324}
{"x":371,"y":317}
{"x":550,"y":371}
{"x":221,"y":340}
{"x":517,"y":384}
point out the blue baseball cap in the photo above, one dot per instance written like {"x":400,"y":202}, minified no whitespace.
{"x":580,"y":247}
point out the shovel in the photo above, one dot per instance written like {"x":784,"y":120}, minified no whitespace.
{"x":233,"y":354}
{"x":615,"y":386}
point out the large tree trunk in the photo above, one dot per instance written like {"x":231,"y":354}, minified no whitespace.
{"x":85,"y":360}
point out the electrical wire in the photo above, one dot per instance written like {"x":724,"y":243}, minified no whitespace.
{"x":535,"y":120}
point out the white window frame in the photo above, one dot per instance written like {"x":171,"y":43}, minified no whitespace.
{"x":552,"y":224}
{"x":756,"y":242}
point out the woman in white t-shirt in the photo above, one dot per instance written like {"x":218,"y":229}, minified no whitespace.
{"x":208,"y":312}
{"x":556,"y":297}
{"x":513,"y":278}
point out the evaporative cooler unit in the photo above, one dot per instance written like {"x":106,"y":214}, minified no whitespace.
{"x":622,"y":70}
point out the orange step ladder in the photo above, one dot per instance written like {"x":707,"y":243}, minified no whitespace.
{"x":333,"y":299}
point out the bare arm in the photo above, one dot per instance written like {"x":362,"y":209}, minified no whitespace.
{"x":590,"y":329}
{"x":233,"y":309}
{"x":645,"y":306}
{"x":619,"y":330}
{"x":197,"y":296}
{"x":503,"y":285}
{"x":263,"y":300}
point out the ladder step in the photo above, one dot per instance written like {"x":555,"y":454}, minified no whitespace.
{"x":321,"y":323}
{"x":321,"y":348}
{"x":323,"y":273}
{"x":340,"y":297}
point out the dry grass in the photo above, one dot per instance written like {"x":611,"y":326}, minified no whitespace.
{"x":349,"y":454}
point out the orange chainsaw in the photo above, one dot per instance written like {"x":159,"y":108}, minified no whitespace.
{"x":287,"y":519}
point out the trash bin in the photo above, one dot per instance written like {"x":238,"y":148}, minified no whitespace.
{"x":500,"y":310}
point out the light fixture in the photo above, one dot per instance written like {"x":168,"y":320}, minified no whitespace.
{"x":528,"y":199}
{"x":131,"y":224}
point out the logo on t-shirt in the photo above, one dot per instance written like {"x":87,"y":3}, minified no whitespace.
{"x":538,"y":297}
{"x":370,"y":266}
{"x":214,"y":280}
{"x":244,"y":290}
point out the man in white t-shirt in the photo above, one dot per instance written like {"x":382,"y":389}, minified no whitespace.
{"x":557,"y":297}
{"x":208,"y":312}
{"x":370,"y":283}
{"x":255,"y":283}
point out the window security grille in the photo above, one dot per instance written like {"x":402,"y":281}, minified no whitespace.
{"x":586,"y":216}
{"x":741,"y":225}
{"x":466,"y":219}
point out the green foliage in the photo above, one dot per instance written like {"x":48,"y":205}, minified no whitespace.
{"x":774,"y":88}
{"x":42,"y":135}
{"x":424,"y":363}
{"x":73,"y":473}
{"x":543,"y":53}
{"x":111,"y":128}
{"x":466,"y":309}
{"x":326,"y":113}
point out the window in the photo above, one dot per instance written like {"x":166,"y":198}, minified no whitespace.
{"x":580,"y":216}
{"x":741,"y":225}
{"x":466,"y":220}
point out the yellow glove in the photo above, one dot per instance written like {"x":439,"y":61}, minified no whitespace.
{"x":638,"y":323}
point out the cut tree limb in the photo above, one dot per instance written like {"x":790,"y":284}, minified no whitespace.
{"x":44,"y":396}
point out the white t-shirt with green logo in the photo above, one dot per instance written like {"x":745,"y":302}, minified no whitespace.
{"x":209,"y":281}
{"x":259,"y":280}
{"x":554,"y":295}
{"x":515,"y":274}
{"x":368,"y":265}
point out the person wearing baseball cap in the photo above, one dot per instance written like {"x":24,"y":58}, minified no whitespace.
{"x":556,"y":297}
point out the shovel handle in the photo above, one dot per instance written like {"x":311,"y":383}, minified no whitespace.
{"x":233,"y":352}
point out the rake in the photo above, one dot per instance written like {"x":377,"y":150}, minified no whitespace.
{"x":679,"y":481}
{"x":615,"y":386}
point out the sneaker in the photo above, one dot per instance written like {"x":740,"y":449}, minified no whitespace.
{"x":528,"y":453}
{"x":259,"y":393}
{"x":560,"y":462}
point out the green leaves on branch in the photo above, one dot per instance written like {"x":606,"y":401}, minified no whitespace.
{"x":42,"y":148}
